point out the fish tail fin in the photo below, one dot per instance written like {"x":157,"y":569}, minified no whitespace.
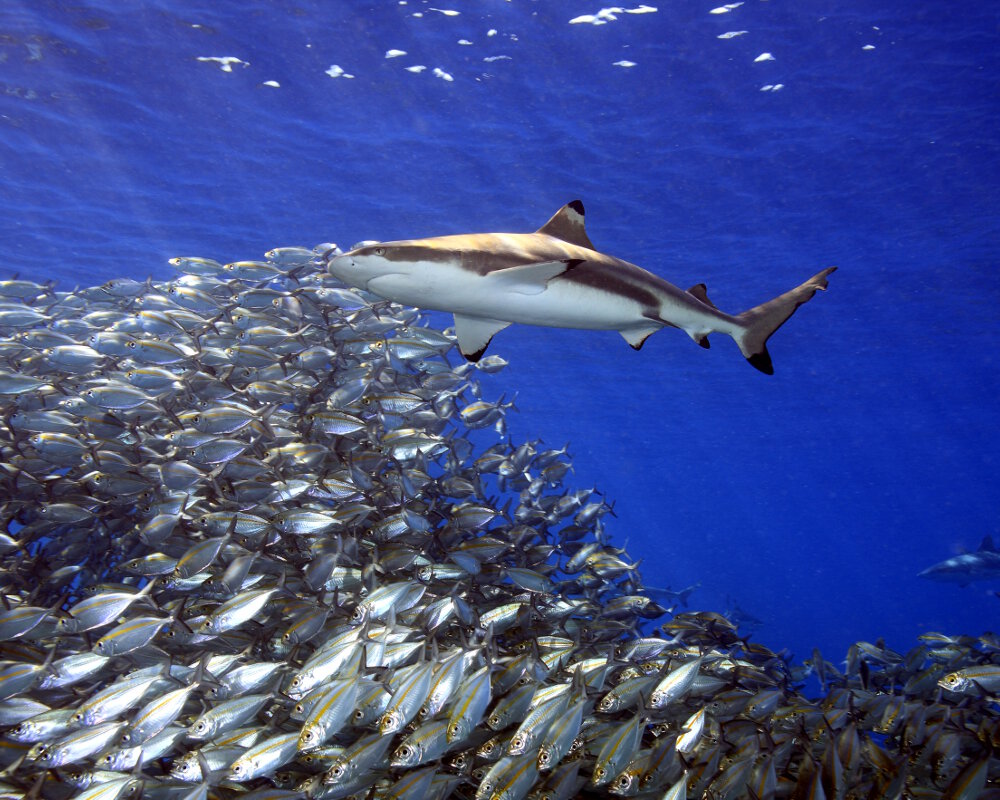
{"x":763,"y":320}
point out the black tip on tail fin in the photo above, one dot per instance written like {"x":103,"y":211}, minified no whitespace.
{"x":763,"y":320}
{"x":762,"y":361}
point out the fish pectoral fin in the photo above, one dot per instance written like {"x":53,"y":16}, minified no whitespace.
{"x":474,"y":334}
{"x":530,"y":278}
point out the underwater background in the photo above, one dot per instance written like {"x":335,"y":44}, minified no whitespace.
{"x":131,"y":133}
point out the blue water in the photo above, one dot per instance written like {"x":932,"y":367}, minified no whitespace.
{"x":810,"y":499}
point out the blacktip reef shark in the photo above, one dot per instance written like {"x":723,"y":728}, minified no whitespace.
{"x":982,"y":565}
{"x":554,"y":277}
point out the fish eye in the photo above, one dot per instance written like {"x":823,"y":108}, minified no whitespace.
{"x":131,"y":345}
{"x":380,"y":251}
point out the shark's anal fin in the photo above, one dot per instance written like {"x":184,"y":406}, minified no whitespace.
{"x":568,"y":224}
{"x":530,"y":279}
{"x":474,"y":334}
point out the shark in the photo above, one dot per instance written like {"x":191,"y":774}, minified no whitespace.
{"x":982,"y":565}
{"x":554,"y":277}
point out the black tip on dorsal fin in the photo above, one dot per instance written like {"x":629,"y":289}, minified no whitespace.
{"x":568,"y":224}
{"x":700,"y":291}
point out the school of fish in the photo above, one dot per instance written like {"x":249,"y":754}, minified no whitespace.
{"x":264,"y":538}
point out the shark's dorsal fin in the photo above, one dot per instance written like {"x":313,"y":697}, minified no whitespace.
{"x":474,"y":334}
{"x":567,"y":224}
{"x":987,"y":544}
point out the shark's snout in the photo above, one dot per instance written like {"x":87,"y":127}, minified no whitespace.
{"x":340,"y":265}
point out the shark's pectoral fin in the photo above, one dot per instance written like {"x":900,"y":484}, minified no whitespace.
{"x":530,"y":278}
{"x":474,"y":334}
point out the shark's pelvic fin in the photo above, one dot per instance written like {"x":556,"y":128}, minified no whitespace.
{"x":567,"y":224}
{"x":530,"y":278}
{"x":765,"y":319}
{"x":474,"y":334}
{"x":636,"y":337}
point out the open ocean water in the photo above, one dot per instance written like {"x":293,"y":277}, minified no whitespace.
{"x":746,"y":147}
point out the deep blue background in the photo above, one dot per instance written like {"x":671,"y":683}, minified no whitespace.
{"x":812,"y":498}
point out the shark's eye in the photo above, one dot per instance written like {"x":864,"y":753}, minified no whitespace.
{"x":380,"y":251}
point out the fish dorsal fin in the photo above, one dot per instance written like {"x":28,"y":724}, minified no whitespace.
{"x":567,"y":224}
{"x":474,"y":334}
{"x":700,"y":291}
{"x":987,"y":544}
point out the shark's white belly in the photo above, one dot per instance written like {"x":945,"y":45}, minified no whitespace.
{"x":561,"y":304}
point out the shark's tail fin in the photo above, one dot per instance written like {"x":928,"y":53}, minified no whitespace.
{"x":765,"y":319}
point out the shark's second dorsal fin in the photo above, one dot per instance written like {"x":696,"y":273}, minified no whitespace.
{"x":987,"y":544}
{"x":567,"y":224}
{"x":700,"y":291}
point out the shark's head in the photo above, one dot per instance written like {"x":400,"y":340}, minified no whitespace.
{"x":378,"y":259}
{"x":361,"y":264}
